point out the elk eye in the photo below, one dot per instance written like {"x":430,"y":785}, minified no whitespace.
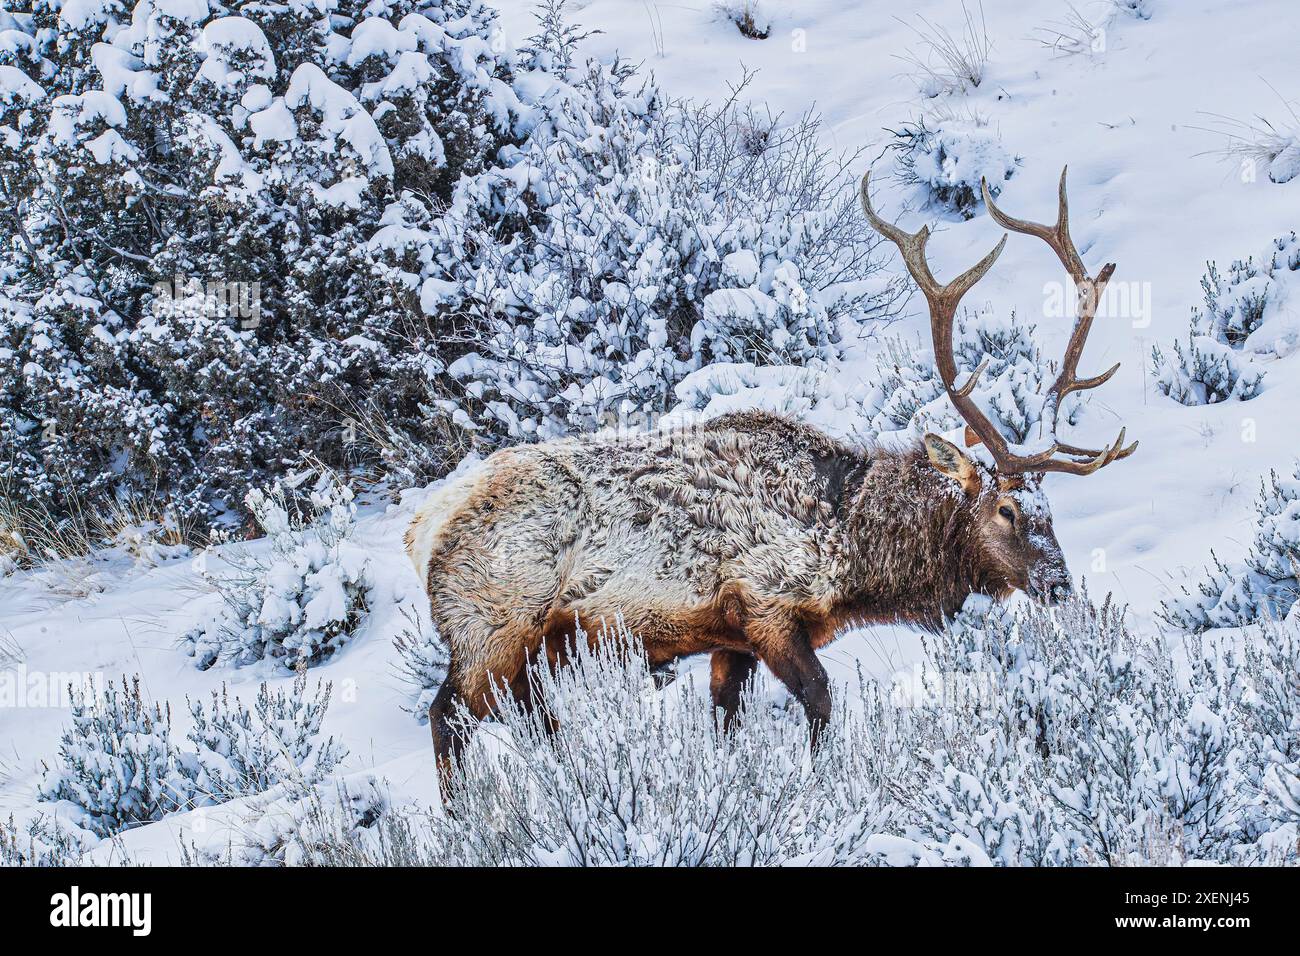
{"x":1007,"y":513}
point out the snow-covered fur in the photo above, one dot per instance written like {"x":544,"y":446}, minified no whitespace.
{"x":424,"y":535}
{"x":752,"y":536}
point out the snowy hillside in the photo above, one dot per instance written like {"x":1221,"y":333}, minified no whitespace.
{"x":1178,"y":121}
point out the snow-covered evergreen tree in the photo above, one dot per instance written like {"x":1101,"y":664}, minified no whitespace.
{"x":193,"y":304}
{"x":250,"y":235}
{"x":650,"y":238}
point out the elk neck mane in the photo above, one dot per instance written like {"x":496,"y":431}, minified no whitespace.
{"x":910,"y":543}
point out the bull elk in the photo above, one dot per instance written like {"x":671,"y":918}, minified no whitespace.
{"x":752,"y":537}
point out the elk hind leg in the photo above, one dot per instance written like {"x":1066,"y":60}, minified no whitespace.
{"x":477,"y":691}
{"x":448,"y":741}
{"x":728,"y":673}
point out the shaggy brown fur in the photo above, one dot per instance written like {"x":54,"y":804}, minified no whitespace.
{"x":753,"y":537}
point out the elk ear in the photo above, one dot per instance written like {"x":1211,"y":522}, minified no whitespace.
{"x":949,"y":460}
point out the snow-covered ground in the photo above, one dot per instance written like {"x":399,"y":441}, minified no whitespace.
{"x":1131,"y":121}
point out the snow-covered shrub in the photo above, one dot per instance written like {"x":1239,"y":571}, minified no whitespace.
{"x":301,"y":602}
{"x":1084,"y":743}
{"x":652,"y":238}
{"x":907,"y":397}
{"x":981,"y":792}
{"x":239,"y":752}
{"x":948,"y":161}
{"x":119,"y":765}
{"x":555,"y":44}
{"x":1272,"y":709}
{"x":1266,"y":585}
{"x":1015,"y":381}
{"x":903,"y":398}
{"x":247,"y":237}
{"x":1237,"y":306}
{"x":1206,"y":373}
{"x":41,"y":841}
{"x":1241,"y":321}
{"x":749,"y":16}
{"x":344,"y":823}
{"x":1044,"y":736}
{"x":117,"y":762}
{"x":812,"y":393}
{"x":422,"y":663}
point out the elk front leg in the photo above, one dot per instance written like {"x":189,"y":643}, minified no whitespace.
{"x":787,"y":650}
{"x":729,"y":670}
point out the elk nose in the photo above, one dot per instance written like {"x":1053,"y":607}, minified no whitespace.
{"x":1058,"y":590}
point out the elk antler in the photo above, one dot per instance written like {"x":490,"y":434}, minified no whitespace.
{"x":1057,"y":237}
{"x":943,"y":301}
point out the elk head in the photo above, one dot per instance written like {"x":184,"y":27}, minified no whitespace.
{"x":1011,"y":521}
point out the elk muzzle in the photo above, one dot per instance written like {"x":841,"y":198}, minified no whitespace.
{"x":1050,"y":587}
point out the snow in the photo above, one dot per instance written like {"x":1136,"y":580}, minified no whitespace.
{"x":189,"y":11}
{"x":341,"y":116}
{"x":123,"y":73}
{"x":237,"y":33}
{"x":17,"y":87}
{"x":379,"y":38}
{"x":1285,"y":166}
{"x":109,"y":147}
{"x":81,"y":14}
{"x":1126,"y":121}
{"x":742,"y":266}
{"x":226,"y":35}
{"x":74,"y":111}
{"x":411,"y":70}
{"x":274,"y":122}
